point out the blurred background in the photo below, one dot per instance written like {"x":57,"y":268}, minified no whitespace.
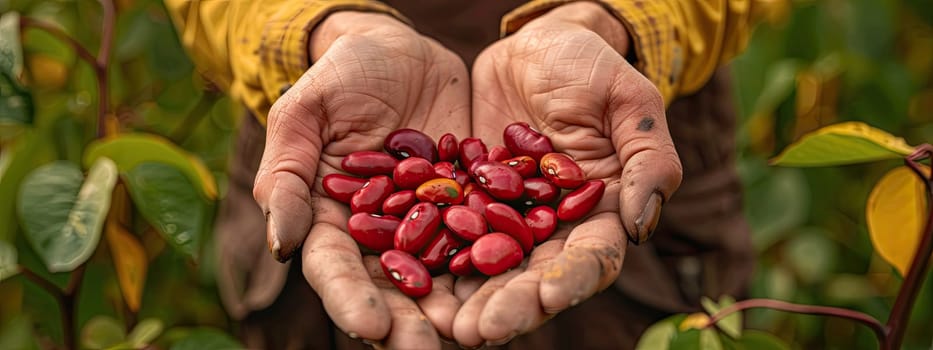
{"x":813,"y":64}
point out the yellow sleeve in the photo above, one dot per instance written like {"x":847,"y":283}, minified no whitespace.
{"x":256,"y":49}
{"x":678,"y":43}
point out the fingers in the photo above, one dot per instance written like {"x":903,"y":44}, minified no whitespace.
{"x":411,"y":329}
{"x":590,"y":261}
{"x":333,"y":266}
{"x":466,"y":330}
{"x":289,"y":164}
{"x":440,"y":306}
{"x":651,"y":168}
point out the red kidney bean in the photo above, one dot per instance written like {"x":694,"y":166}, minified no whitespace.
{"x":445,"y":170}
{"x":543,"y":221}
{"x":503,"y":218}
{"x":405,"y":143}
{"x":499,"y":153}
{"x":561,"y":170}
{"x":406,"y":273}
{"x":412,"y":172}
{"x":495,"y":253}
{"x":477,"y":200}
{"x":342,"y":187}
{"x":539,"y":190}
{"x":448,"y":149}
{"x":524,"y":165}
{"x":399,"y":202}
{"x":460,"y":264}
{"x":465,"y":222}
{"x":440,"y":250}
{"x":440,"y":191}
{"x":368,"y":163}
{"x":578,"y":203}
{"x":462,"y":177}
{"x":522,"y":140}
{"x":471,"y":150}
{"x":373,"y":231}
{"x":370,"y":197}
{"x":499,"y":180}
{"x":418,"y":227}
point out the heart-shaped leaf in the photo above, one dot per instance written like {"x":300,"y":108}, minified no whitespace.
{"x":15,"y":102}
{"x":169,"y":201}
{"x":8,"y":260}
{"x":129,"y":259}
{"x":895,"y":213}
{"x":129,"y":150}
{"x":843,"y":143}
{"x":63,"y":214}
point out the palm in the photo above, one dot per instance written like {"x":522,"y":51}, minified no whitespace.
{"x":355,"y":94}
{"x":563,"y":83}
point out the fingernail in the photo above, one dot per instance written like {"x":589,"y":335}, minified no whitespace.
{"x":353,"y":335}
{"x":648,"y":220}
{"x":503,"y":340}
{"x":275,"y":244}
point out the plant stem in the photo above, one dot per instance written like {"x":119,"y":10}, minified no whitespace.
{"x":856,"y":316}
{"x":900,"y":313}
{"x":40,"y":281}
{"x":84,"y":54}
{"x":66,"y":298}
{"x":102,"y":62}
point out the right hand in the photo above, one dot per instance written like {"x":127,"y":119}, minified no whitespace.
{"x":371,"y":75}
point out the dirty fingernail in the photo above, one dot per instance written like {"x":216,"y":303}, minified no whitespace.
{"x":648,"y":220}
{"x":272,"y":235}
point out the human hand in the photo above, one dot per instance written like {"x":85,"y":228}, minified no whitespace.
{"x":564,"y":74}
{"x":371,"y":75}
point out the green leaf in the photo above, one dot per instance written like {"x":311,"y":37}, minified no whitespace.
{"x":8,"y":260}
{"x":144,"y":333}
{"x":168,"y":200}
{"x":732,"y":324}
{"x":11,"y":50}
{"x":843,"y":143}
{"x":129,"y":150}
{"x":660,"y":334}
{"x":63,"y":218}
{"x":31,"y":149}
{"x":16,"y":106}
{"x":709,"y":340}
{"x":756,"y":340}
{"x":206,"y":339}
{"x":102,"y":332}
{"x":18,"y":334}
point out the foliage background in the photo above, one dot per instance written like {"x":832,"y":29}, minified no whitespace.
{"x":816,"y":63}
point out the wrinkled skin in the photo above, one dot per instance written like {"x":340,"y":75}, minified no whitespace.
{"x":568,"y":82}
{"x":368,"y":79}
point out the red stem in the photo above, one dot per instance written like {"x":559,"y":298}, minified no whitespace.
{"x":903,"y":305}
{"x":856,"y":316}
{"x":103,"y":61}
{"x":84,"y":54}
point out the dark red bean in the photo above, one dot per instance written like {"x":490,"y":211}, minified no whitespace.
{"x":524,"y":165}
{"x":462,"y":177}
{"x":398,"y":203}
{"x":418,"y":227}
{"x":499,"y":153}
{"x":440,"y":250}
{"x":445,"y":170}
{"x":406,"y":273}
{"x":539,"y":190}
{"x":522,"y":140}
{"x":465,"y":222}
{"x":440,"y":192}
{"x":412,"y":172}
{"x":477,"y":200}
{"x":405,"y":143}
{"x":448,"y":149}
{"x":370,"y":197}
{"x":471,"y":150}
{"x":578,"y":203}
{"x":561,"y":170}
{"x":495,"y":253}
{"x":373,"y":231}
{"x":368,"y":163}
{"x":342,"y":187}
{"x":503,"y":218}
{"x":543,"y":221}
{"x":499,"y":180}
{"x":460,"y":264}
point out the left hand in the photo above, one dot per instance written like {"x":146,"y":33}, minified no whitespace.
{"x":564,"y":74}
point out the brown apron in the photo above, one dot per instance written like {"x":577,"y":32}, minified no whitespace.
{"x":702,"y":245}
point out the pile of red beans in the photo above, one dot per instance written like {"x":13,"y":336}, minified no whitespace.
{"x":457,"y":206}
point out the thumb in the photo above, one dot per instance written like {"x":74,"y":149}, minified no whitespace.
{"x":651,"y":169}
{"x":289,"y":164}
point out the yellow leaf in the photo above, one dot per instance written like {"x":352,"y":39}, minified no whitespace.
{"x":895,"y":214}
{"x":698,"y":320}
{"x":843,"y":143}
{"x":129,"y":259}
